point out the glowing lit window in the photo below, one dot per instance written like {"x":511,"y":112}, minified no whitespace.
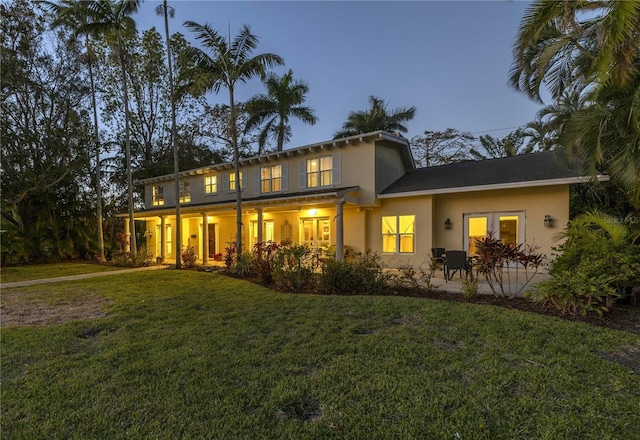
{"x":319,"y":171}
{"x":271,"y":179}
{"x":211,"y":184}
{"x":398,"y":234}
{"x":185,"y":192}
{"x":158,"y":195}
{"x":232,"y":181}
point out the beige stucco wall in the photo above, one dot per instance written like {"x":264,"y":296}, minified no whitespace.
{"x":371,"y":165}
{"x":535,"y":202}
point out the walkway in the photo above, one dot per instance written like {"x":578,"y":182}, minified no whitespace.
{"x":78,"y":277}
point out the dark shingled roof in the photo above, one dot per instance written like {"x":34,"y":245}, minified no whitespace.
{"x":523,"y":168}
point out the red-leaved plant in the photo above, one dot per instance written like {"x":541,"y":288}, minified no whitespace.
{"x":494,"y":258}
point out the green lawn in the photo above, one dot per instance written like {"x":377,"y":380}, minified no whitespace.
{"x":183,"y":354}
{"x":37,"y":272}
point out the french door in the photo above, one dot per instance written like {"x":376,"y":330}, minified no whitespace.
{"x":508,"y":227}
{"x":268,"y":232}
{"x":315,"y":232}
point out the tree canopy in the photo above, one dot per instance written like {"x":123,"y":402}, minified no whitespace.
{"x":375,"y":118}
{"x":587,"y":54}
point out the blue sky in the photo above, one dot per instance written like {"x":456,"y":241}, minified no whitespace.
{"x":450,"y":60}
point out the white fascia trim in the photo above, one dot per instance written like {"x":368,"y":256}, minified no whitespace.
{"x":512,"y":185}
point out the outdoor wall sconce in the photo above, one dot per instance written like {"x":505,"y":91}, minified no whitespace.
{"x":147,"y":233}
{"x":548,"y":221}
{"x":447,"y":224}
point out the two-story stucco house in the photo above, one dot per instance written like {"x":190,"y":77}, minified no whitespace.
{"x":365,"y":193}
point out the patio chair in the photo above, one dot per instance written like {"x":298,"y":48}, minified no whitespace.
{"x":456,"y":261}
{"x":438,"y":259}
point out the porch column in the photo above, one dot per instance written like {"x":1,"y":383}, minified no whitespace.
{"x":259,"y":225}
{"x":162,"y":237}
{"x":339,"y":231}
{"x":205,"y":239}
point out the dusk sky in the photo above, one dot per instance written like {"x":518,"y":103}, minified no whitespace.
{"x":450,"y":60}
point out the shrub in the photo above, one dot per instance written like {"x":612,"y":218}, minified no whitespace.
{"x":189,"y":256}
{"x":293,"y":268}
{"x":361,"y":274}
{"x":143,"y":257}
{"x":576,"y":292}
{"x":263,"y":258}
{"x":230,"y":256}
{"x":597,"y":264}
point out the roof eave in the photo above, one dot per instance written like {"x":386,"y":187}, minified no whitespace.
{"x":508,"y":185}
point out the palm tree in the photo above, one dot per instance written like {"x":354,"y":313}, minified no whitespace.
{"x":167,"y":11}
{"x":376,"y":118}
{"x":571,"y":44}
{"x":74,"y":14}
{"x":229,"y":63}
{"x":589,"y":51}
{"x":105,"y":17}
{"x":510,"y":145}
{"x":539,"y":135}
{"x":605,"y":134}
{"x":283,"y":99}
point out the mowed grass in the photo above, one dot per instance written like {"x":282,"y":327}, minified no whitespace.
{"x":184,"y":354}
{"x":37,"y":272}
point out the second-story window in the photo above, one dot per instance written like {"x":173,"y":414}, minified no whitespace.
{"x":185,"y":192}
{"x":271,"y":179}
{"x":211,"y":184}
{"x":319,"y":171}
{"x":232,"y":181}
{"x":158,"y":195}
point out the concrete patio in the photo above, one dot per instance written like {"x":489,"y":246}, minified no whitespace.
{"x":455,"y":284}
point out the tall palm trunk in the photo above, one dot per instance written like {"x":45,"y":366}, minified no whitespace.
{"x":174,"y":146}
{"x":101,"y":255}
{"x":125,"y":90}
{"x":236,"y":166}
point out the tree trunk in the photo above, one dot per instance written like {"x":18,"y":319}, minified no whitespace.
{"x":236,"y":164}
{"x":101,"y":256}
{"x":132,"y":226}
{"x":176,"y":167}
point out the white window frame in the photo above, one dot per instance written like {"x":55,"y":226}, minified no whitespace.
{"x":268,"y":182}
{"x":157,"y":195}
{"x":332,"y":176}
{"x":320,"y":171}
{"x":211,"y":184}
{"x":398,"y":235}
{"x":185,"y":192}
{"x":232,"y":181}
{"x":493,"y":224}
{"x":320,"y":229}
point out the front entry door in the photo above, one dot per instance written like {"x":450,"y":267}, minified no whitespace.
{"x":212,"y":239}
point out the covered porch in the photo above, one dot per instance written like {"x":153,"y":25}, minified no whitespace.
{"x":319,"y":220}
